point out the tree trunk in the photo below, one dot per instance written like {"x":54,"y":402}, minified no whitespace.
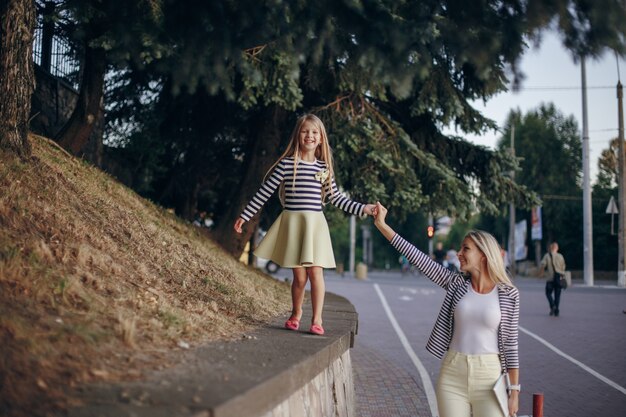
{"x":17,"y":80}
{"x":262,"y":152}
{"x":75,"y":134}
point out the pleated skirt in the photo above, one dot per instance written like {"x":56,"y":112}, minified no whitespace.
{"x":298,"y":239}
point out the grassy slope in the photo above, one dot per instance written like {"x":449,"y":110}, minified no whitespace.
{"x":98,"y":283}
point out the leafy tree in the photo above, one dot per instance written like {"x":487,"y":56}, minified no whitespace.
{"x":607,"y":166}
{"x":549,"y":146}
{"x":605,"y":237}
{"x":385,"y":76}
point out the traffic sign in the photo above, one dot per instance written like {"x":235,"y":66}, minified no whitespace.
{"x":612,"y":207}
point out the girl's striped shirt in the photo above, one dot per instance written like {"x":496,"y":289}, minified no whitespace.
{"x":305,"y":195}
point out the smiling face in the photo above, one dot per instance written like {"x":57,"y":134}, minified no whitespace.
{"x":309,"y":138}
{"x":470,"y":256}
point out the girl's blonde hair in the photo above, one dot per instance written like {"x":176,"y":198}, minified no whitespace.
{"x":489,"y":246}
{"x":322,"y":153}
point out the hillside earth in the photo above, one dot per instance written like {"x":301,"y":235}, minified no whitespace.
{"x":97,"y":283}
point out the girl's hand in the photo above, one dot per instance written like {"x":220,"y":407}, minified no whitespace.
{"x":370,"y":209}
{"x":238,"y":225}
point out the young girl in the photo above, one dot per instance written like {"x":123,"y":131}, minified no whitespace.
{"x":299,"y":238}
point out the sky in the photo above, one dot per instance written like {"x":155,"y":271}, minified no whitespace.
{"x":552,"y":76}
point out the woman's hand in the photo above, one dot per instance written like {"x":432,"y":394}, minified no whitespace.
{"x":513,"y":403}
{"x":238,"y":225}
{"x":380,"y":213}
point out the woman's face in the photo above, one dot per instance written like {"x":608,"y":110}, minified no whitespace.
{"x":310,"y":137}
{"x":470,"y":256}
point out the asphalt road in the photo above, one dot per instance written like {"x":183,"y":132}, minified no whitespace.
{"x":577,"y":360}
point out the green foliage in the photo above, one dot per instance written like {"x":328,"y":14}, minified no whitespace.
{"x":549,"y":148}
{"x":605,"y":241}
{"x":458,"y":231}
{"x":607,"y":166}
{"x":386,"y":77}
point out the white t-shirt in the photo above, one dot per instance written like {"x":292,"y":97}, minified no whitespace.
{"x":476,"y":321}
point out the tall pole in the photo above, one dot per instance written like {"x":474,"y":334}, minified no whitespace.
{"x":512,"y":264}
{"x":352,"y":243}
{"x":431,"y":222}
{"x":621,"y":270}
{"x":587,"y":213}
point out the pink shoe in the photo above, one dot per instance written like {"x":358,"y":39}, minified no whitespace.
{"x":317,"y":329}
{"x":292,"y":324}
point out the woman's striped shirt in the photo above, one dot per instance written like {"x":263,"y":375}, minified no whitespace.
{"x":303,"y":195}
{"x":456,"y":286}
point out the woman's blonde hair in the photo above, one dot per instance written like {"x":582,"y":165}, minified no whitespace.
{"x":322,"y":153}
{"x":489,"y":246}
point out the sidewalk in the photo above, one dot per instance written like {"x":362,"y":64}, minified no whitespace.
{"x":383,"y":389}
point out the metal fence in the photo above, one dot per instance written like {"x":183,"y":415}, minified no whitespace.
{"x":53,"y":53}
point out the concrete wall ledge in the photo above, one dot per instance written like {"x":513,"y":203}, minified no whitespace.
{"x":265,"y":374}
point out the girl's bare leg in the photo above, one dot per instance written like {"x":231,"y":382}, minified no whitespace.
{"x":297,"y":291}
{"x":318,"y":290}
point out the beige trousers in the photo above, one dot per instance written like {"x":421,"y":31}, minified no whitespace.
{"x":465,"y":383}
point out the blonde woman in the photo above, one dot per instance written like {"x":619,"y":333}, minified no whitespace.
{"x":300,"y":238}
{"x":476,"y":330}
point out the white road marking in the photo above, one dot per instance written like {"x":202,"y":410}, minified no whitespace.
{"x":428,"y":385}
{"x":405,"y":298}
{"x":415,"y":291}
{"x":574,"y":361}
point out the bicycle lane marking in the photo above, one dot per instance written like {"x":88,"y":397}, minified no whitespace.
{"x":574,"y":361}
{"x":426,"y":382}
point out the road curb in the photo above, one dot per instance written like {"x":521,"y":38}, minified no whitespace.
{"x":253,"y":376}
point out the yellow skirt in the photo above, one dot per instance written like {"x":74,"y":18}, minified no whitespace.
{"x":298,"y":239}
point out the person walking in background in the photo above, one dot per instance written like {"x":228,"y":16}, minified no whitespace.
{"x":554,"y":265}
{"x":405,"y":265}
{"x":299,"y":238}
{"x":439,"y":254}
{"x":477,"y":327}
{"x":453,"y":260}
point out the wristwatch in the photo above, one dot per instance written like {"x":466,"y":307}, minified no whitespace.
{"x":515,"y":387}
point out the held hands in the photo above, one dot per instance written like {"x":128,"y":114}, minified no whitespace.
{"x":380,"y":213}
{"x":370,"y":209}
{"x":238,"y":225}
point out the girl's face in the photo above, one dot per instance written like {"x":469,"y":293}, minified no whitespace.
{"x":310,"y":137}
{"x":470,"y":256}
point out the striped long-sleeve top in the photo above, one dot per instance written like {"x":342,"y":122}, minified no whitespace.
{"x":305,"y":194}
{"x":456,"y":286}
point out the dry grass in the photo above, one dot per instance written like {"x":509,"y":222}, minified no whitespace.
{"x":97,"y":283}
